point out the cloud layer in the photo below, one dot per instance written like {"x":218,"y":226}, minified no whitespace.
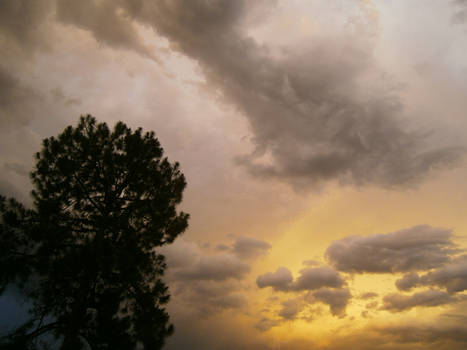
{"x":417,"y":248}
{"x":319,"y":113}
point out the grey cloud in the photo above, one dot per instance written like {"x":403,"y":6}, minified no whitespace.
{"x":279,"y":280}
{"x":107,"y":21}
{"x":215,"y":267}
{"x":400,"y":302}
{"x":417,"y":248}
{"x":309,"y":279}
{"x":309,"y":113}
{"x":372,"y":305}
{"x":368,"y":295}
{"x":315,"y":278}
{"x":428,"y":334}
{"x":266,"y":324}
{"x":18,"y":102}
{"x":311,"y":263}
{"x":206,"y":298}
{"x":22,"y":23}
{"x":460,"y":15}
{"x":222,"y":247}
{"x":205,"y":284}
{"x":17,"y":168}
{"x":337,"y":299}
{"x":186,"y":261}
{"x":324,"y":285}
{"x":452,"y":277}
{"x":408,"y":281}
{"x":248,"y":248}
{"x":291,"y":308}
{"x":181,"y":254}
{"x":60,"y":96}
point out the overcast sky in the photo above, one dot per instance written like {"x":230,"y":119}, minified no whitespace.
{"x":323,"y":144}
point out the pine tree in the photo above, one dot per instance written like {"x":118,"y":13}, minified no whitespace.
{"x":85,"y":255}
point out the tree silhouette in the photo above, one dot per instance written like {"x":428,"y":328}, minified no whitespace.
{"x":84,"y":256}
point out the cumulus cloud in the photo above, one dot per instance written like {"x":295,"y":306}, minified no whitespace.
{"x":323,"y":284}
{"x":291,"y":308}
{"x":205,"y":283}
{"x":417,"y":248}
{"x":187,"y":261}
{"x":452,"y":277}
{"x":279,"y":280}
{"x":309,"y":279}
{"x":337,"y":299}
{"x":311,"y":115}
{"x":399,"y":302}
{"x":248,"y":247}
{"x":215,"y":267}
{"x":408,"y":281}
{"x":315,"y":278}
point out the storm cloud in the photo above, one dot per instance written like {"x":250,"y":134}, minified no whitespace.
{"x":312,"y":115}
{"x":18,"y":101}
{"x":417,"y":248}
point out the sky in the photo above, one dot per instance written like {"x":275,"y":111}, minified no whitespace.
{"x":323,"y":143}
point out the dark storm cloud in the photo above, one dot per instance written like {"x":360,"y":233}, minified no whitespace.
{"x":399,"y":302}
{"x":309,"y":279}
{"x":18,"y":102}
{"x":312,"y":114}
{"x":107,"y":21}
{"x":22,"y":23}
{"x":304,"y":109}
{"x":417,"y":248}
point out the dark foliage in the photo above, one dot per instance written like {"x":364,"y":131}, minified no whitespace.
{"x":84,"y":257}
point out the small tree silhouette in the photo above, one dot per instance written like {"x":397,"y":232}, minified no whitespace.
{"x":84,"y":256}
